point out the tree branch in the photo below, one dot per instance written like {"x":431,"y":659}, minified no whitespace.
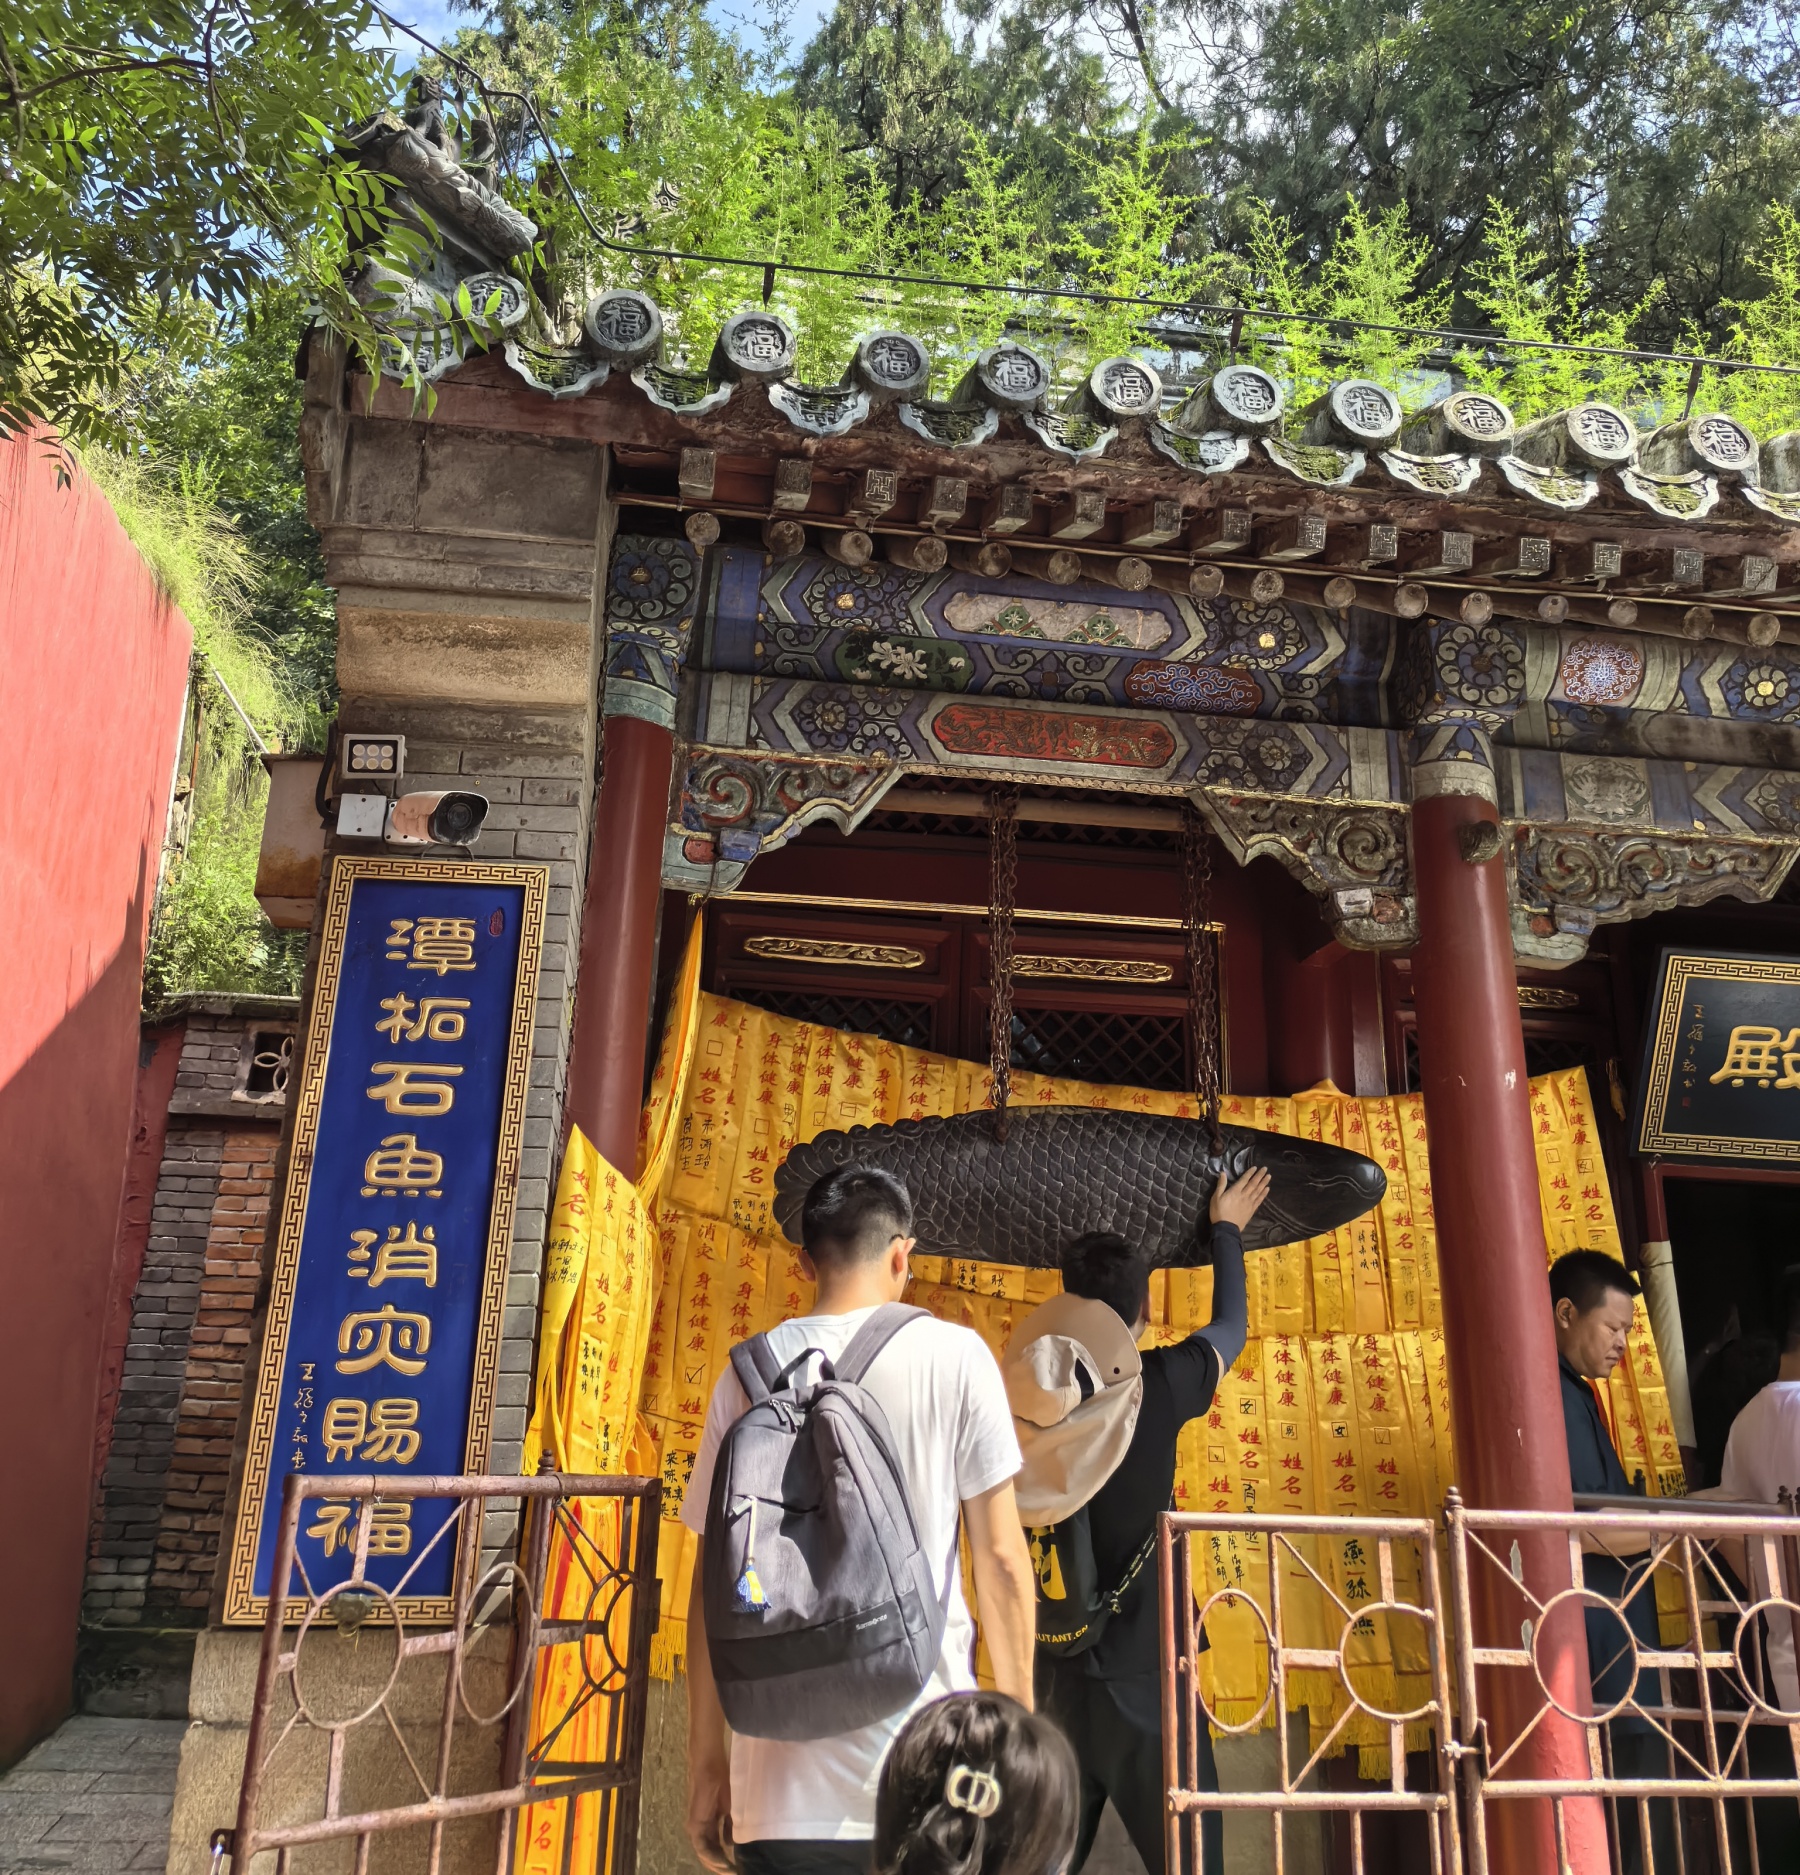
{"x":86,"y":74}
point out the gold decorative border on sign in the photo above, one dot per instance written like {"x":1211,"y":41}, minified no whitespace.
{"x":242,"y":1606}
{"x":800,"y":950}
{"x":1679,"y":971}
{"x":1091,"y":969}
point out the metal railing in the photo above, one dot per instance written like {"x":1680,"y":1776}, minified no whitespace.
{"x":351,"y":1646}
{"x":1383,"y":1551}
{"x":1593,"y":1691}
{"x":1679,"y":1725}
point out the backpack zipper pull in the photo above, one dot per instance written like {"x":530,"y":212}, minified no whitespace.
{"x":751,"y":1598}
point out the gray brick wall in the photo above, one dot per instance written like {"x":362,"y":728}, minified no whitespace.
{"x":135,"y":1483}
{"x":212,"y":1054}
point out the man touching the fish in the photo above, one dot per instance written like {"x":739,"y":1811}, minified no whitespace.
{"x":1098,"y":1426}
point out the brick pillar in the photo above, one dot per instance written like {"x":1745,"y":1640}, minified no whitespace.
{"x":213,"y":1382}
{"x":122,"y":1547}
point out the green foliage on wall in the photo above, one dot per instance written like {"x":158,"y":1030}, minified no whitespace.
{"x":207,"y":931}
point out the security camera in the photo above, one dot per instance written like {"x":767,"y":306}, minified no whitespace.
{"x":443,"y":818}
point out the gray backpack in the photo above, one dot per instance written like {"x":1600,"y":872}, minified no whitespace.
{"x":822,"y":1614}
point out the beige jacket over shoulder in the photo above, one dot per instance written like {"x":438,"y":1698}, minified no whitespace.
{"x":1072,"y":1437}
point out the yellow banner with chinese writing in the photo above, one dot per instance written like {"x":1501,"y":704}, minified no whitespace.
{"x":1340,"y":1400}
{"x":602,"y":1262}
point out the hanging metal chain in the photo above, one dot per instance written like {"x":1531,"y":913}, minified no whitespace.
{"x":1202,"y":966}
{"x":1003,"y":898}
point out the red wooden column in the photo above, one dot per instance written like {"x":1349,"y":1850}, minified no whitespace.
{"x":1511,"y":1450}
{"x":618,"y":939}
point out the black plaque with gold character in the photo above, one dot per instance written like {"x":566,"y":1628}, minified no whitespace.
{"x":1721,"y":1075}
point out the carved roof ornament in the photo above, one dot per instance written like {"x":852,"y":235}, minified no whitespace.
{"x":555,"y":368}
{"x":465,"y":212}
{"x":1432,"y":475}
{"x":891,"y":367}
{"x":1356,"y":413}
{"x":1781,"y":463}
{"x":1007,"y":377}
{"x":1567,"y":489}
{"x":1784,"y":506}
{"x":1118,"y":388}
{"x":415,"y":326}
{"x":755,"y":348}
{"x":1714,"y":444}
{"x":1318,"y":463}
{"x":1779,"y":490}
{"x":1240,"y":398}
{"x":1076,"y":437}
{"x":1689,"y":497}
{"x":1218,"y":452}
{"x":497,"y":300}
{"x":624,"y":327}
{"x":1592,"y":436}
{"x":955,"y":426}
{"x":690,"y":393}
{"x":1354,"y":857}
{"x":1570,"y":880}
{"x":1466,"y":422}
{"x":821,"y":409}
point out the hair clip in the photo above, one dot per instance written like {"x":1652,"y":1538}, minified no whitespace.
{"x":977,"y":1792}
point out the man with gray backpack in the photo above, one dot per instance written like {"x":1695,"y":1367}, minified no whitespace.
{"x":842,"y":1453}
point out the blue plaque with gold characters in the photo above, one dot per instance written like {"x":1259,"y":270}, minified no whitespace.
{"x":390,"y":1264}
{"x":1721,"y":1076}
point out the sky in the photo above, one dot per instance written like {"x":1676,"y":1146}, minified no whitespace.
{"x":438,"y":19}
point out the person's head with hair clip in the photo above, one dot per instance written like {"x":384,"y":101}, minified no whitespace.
{"x":976,"y":1785}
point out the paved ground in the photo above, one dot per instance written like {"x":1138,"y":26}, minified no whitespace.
{"x":93,"y":1798}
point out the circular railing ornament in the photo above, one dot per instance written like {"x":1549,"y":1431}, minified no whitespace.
{"x":1231,"y":1598}
{"x":321,"y":1606}
{"x":624,"y":327}
{"x":1582,"y":1599}
{"x":1364,"y":1614}
{"x":605,"y":1602}
{"x":467,"y":1633}
{"x":1774,"y":1608}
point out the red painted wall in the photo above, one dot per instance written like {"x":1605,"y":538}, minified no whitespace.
{"x":93,"y":667}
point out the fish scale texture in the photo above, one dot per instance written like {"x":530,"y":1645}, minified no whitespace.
{"x":1061,"y":1171}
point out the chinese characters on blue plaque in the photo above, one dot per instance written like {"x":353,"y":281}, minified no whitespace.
{"x":1721,"y":1077}
{"x":390,"y":1265}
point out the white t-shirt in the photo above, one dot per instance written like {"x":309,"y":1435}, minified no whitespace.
{"x":1762,"y":1458}
{"x":946,"y":1407}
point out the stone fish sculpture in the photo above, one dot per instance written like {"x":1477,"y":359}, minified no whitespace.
{"x":1061,"y":1171}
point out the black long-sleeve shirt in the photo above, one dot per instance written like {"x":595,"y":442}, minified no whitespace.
{"x":1179,"y":1384}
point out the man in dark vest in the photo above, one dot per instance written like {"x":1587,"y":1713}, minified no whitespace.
{"x":1593,"y":1297}
{"x":1108,"y":1699}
